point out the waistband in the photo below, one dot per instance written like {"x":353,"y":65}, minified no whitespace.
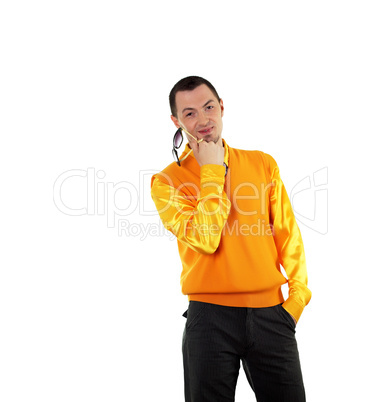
{"x":265,"y":298}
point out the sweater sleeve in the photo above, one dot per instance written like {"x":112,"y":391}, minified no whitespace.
{"x":289,"y":244}
{"x":198,"y":223}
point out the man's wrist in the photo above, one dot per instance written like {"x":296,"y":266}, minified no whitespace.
{"x":212,"y":172}
{"x":217,"y":164}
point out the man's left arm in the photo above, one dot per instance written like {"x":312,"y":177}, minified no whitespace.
{"x":289,"y":244}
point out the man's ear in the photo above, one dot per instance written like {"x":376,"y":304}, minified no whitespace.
{"x":221,"y":107}
{"x":175,"y":121}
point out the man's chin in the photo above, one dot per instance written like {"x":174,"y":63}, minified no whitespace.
{"x":210,"y":139}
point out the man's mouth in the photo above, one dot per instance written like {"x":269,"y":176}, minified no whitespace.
{"x":205,"y":131}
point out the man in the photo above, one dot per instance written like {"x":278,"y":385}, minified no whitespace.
{"x":234,"y":224}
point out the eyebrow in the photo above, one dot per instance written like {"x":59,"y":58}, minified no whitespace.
{"x":191,"y":108}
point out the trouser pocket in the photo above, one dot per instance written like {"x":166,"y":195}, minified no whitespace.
{"x":194,"y":313}
{"x":286,"y":317}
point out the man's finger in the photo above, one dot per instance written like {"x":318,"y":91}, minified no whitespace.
{"x":193,"y":144}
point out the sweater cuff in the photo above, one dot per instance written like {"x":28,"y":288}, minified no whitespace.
{"x":212,"y":179}
{"x":293,"y":307}
{"x":211,"y":172}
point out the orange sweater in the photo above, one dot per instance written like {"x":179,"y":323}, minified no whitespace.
{"x":233,"y":231}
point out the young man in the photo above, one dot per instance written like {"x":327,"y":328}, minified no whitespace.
{"x":234,"y":224}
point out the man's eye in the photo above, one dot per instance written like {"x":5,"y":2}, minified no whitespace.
{"x":189,"y":114}
{"x":210,"y":107}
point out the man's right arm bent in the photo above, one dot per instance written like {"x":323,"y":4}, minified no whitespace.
{"x":196,"y":222}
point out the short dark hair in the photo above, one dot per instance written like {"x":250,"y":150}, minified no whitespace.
{"x":188,"y":84}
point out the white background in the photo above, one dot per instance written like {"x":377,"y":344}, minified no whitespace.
{"x":91,"y":314}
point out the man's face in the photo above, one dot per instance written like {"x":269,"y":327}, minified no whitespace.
{"x":200,"y":113}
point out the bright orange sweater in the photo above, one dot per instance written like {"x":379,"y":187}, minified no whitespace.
{"x":233,"y":231}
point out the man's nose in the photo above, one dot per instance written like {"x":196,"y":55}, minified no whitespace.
{"x":203,"y":119}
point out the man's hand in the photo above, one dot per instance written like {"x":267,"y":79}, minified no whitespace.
{"x":208,"y":152}
{"x":295,"y":321}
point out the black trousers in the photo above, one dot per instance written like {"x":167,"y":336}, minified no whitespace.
{"x":216,"y":338}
